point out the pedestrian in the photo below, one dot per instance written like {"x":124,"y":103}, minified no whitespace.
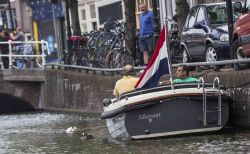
{"x":18,"y":36}
{"x":146,"y":32}
{"x":5,"y":37}
{"x":127,"y":83}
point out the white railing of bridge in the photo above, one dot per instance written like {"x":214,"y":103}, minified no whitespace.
{"x":13,"y":53}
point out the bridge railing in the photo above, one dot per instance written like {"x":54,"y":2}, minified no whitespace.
{"x":13,"y":53}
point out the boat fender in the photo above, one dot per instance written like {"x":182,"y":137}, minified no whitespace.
{"x":106,"y":102}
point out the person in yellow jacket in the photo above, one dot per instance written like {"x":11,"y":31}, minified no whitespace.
{"x":127,"y":82}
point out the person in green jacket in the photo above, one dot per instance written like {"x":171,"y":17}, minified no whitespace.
{"x":182,"y":74}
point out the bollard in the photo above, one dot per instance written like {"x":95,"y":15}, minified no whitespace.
{"x":10,"y":54}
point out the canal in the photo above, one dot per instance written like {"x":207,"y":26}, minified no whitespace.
{"x":45,"y":132}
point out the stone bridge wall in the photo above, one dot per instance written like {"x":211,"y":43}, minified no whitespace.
{"x":21,"y":91}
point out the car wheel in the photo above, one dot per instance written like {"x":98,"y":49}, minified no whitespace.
{"x":185,"y":56}
{"x":211,"y":54}
{"x":237,"y":53}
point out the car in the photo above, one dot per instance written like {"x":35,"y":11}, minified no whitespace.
{"x":241,"y":32}
{"x":205,"y":34}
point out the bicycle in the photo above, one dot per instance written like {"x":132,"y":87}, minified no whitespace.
{"x":119,"y":55}
{"x":27,"y":60}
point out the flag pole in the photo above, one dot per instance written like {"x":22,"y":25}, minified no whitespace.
{"x":169,"y":57}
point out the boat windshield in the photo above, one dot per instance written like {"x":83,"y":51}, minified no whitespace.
{"x":217,"y":14}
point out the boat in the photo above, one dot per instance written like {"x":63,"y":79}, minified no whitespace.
{"x":153,"y":110}
{"x":161,"y":111}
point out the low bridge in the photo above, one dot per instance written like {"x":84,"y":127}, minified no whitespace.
{"x":81,"y":90}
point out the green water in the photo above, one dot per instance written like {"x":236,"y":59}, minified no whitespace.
{"x":42,"y":132}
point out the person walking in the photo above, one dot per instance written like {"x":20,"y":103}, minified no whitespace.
{"x":146,"y":32}
{"x":127,"y":83}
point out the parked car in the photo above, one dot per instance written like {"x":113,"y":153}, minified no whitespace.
{"x":205,"y":34}
{"x":241,"y":33}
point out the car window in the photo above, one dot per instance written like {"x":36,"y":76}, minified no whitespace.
{"x":248,"y":5}
{"x":186,"y":22}
{"x":217,"y":14}
{"x":192,"y":17}
{"x":201,"y":16}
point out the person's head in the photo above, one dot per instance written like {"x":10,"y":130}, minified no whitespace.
{"x":18,"y":29}
{"x":128,"y":70}
{"x":182,"y":72}
{"x":143,"y":7}
{"x":5,"y":33}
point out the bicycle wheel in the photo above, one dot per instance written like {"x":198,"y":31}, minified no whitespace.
{"x":110,"y":58}
{"x":102,"y":54}
{"x":72,"y":58}
{"x":19,"y":64}
{"x":127,"y":58}
{"x":85,"y":58}
{"x":117,"y":58}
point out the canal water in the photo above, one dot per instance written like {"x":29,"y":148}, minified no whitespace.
{"x":43,"y":132}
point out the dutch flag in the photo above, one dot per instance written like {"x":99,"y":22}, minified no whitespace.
{"x":157,"y":66}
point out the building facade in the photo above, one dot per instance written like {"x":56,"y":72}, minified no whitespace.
{"x":94,"y":13}
{"x":87,"y":15}
{"x":20,"y":15}
{"x":49,"y":25}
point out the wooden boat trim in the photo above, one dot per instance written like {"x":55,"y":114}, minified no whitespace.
{"x":163,"y":97}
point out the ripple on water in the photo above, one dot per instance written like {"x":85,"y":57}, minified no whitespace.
{"x":45,"y":133}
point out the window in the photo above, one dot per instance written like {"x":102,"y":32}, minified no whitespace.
{"x":201,"y":16}
{"x":113,"y":10}
{"x":84,"y":27}
{"x":192,"y":17}
{"x":94,"y":25}
{"x":92,"y":11}
{"x":248,"y":5}
{"x":83,"y":14}
{"x":217,"y":14}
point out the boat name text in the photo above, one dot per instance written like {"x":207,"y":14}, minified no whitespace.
{"x":149,"y":116}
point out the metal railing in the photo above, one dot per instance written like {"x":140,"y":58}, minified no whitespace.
{"x":223,"y":62}
{"x":12,"y":56}
{"x":197,"y":64}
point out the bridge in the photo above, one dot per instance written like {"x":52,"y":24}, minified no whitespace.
{"x":65,"y":88}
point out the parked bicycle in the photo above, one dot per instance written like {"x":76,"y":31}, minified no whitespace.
{"x":91,"y":49}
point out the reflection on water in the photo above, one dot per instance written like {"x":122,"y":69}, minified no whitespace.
{"x":45,"y":133}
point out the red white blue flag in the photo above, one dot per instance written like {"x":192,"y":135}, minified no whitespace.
{"x":157,"y":66}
